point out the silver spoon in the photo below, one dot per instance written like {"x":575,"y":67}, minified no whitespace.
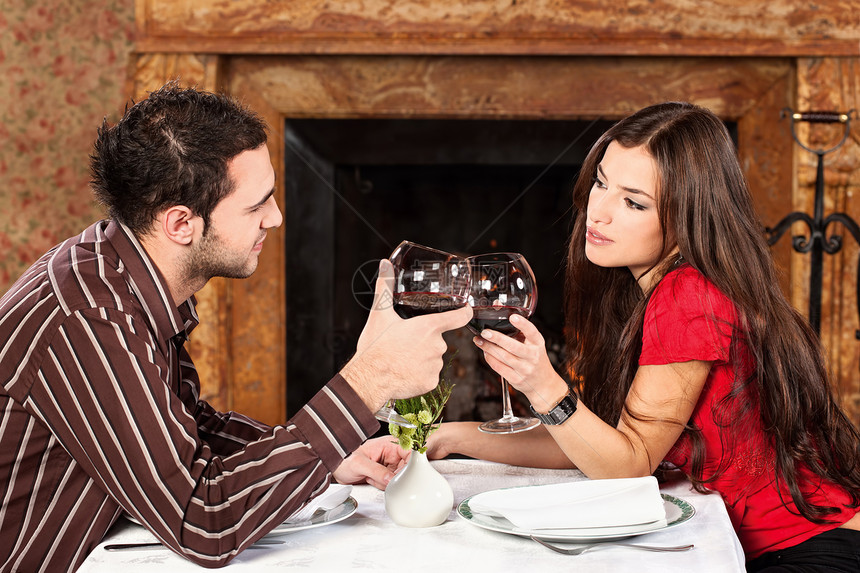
{"x":583,"y":548}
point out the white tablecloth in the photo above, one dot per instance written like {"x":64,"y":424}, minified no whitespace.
{"x":370,"y":541}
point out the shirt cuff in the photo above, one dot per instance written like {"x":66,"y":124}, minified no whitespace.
{"x":335,"y":422}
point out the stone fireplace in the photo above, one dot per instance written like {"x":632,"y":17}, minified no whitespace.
{"x":390,"y":65}
{"x":356,"y":187}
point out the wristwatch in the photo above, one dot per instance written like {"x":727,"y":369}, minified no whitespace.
{"x":561,"y":412}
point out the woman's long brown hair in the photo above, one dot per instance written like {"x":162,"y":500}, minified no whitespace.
{"x":705,"y":208}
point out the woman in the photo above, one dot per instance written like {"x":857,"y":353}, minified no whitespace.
{"x":682,"y":348}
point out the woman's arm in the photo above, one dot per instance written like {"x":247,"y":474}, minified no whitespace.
{"x":535,"y":448}
{"x":661,"y":396}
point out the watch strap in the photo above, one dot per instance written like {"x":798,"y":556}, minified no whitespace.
{"x":560,"y":412}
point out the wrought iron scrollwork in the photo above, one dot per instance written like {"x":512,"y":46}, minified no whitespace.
{"x":816,"y":243}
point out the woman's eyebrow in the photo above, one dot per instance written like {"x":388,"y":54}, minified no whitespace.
{"x":635,"y":191}
{"x":632,"y":190}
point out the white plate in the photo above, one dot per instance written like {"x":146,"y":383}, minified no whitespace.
{"x":677,"y":511}
{"x":327,"y":517}
{"x":321,"y":518}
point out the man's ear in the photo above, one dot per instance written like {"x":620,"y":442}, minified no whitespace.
{"x":180,"y":225}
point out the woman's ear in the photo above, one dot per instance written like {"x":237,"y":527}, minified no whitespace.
{"x":180,"y":224}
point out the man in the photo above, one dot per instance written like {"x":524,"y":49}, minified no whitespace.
{"x":99,"y":409}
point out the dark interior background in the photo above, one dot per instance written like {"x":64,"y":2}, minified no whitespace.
{"x":356,"y":188}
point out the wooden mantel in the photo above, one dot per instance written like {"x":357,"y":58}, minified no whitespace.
{"x":547,"y":27}
{"x":525,"y":59}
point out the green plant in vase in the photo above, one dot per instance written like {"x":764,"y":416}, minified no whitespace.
{"x":424,"y":411}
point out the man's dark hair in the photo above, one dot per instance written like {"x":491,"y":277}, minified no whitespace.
{"x":171,"y":149}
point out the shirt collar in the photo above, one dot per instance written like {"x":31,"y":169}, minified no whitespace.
{"x":147,"y":282}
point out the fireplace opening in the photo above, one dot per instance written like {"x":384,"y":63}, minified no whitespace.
{"x":356,"y":187}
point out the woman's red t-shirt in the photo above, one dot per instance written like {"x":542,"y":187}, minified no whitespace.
{"x":688,"y":318}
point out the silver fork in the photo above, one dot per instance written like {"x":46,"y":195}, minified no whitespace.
{"x":583,"y":548}
{"x":156,"y":545}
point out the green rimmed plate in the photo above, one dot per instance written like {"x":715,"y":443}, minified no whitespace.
{"x":677,"y":512}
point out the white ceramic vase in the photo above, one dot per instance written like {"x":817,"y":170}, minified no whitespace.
{"x":418,"y":496}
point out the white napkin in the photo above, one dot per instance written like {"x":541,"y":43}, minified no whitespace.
{"x":332,"y":497}
{"x":574,"y":505}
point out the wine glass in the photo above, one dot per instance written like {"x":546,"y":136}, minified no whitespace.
{"x":425,"y":281}
{"x":502,"y":284}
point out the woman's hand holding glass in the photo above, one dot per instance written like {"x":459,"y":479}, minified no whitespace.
{"x":524,"y":363}
{"x":503,"y":285}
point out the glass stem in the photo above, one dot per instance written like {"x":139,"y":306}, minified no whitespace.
{"x":507,"y":411}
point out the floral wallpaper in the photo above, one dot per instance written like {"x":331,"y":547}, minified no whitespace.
{"x":62,"y":71}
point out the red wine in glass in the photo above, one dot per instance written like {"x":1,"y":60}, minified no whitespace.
{"x":496,"y":318}
{"x":425,"y":281}
{"x":502,"y":285}
{"x":410,"y":304}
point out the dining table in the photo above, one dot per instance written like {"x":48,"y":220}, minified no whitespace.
{"x":368,"y":540}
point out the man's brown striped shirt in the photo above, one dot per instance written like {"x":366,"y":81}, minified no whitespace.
{"x":99,"y":414}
